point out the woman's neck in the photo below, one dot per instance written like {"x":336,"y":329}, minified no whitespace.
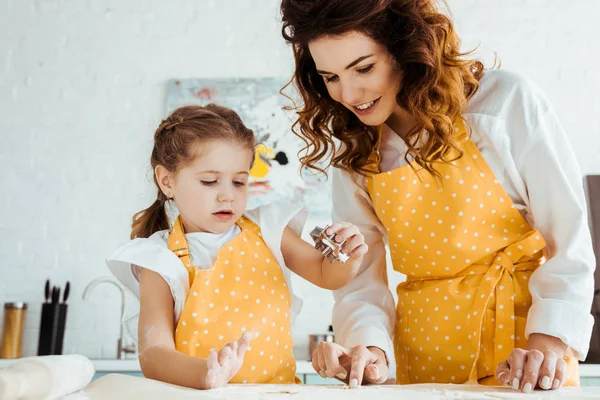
{"x":401,"y":122}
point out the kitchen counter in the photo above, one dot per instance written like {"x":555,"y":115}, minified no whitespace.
{"x":302,"y":367}
{"x":117,"y":386}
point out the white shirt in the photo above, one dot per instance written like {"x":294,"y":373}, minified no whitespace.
{"x":518,"y":134}
{"x":153,"y":253}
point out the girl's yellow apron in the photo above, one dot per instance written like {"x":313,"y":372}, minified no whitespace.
{"x":468,"y":255}
{"x":244,"y":291}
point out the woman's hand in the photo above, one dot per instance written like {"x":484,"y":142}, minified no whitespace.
{"x":355,"y":365}
{"x":541,"y":364}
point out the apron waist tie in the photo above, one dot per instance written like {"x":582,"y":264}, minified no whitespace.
{"x":498,"y":270}
{"x":498,"y":278}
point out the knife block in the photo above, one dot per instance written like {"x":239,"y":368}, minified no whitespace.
{"x":52,"y":329}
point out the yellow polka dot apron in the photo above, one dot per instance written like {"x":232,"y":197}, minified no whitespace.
{"x":245,"y":290}
{"x":468,"y":254}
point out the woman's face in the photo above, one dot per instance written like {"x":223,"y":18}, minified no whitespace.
{"x":359,"y":73}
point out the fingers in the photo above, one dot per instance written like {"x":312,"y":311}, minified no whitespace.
{"x":212,"y":364}
{"x":343,"y":231}
{"x":315,"y":363}
{"x":243,"y":344}
{"x":336,"y":227}
{"x":355,"y":247}
{"x":331,"y":355}
{"x":360,"y":359}
{"x":560,"y":374}
{"x":234,"y":347}
{"x":516,"y":361}
{"x":547,"y":370}
{"x":354,"y":241}
{"x":533,"y":363}
{"x":212,"y":361}
{"x":319,"y":362}
{"x":360,"y":251}
{"x":503,"y":373}
{"x":371,"y":373}
{"x":526,"y":369}
{"x":211,"y":381}
{"x":224,"y":354}
{"x":377,"y":372}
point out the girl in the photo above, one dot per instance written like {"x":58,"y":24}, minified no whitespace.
{"x":218,"y":277}
{"x":466,"y":174}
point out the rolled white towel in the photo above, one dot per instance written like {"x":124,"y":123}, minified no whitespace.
{"x":45,"y":377}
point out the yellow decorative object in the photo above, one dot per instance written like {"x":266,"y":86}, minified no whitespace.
{"x":261,"y":166}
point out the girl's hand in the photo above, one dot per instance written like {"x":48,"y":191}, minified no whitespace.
{"x":224,"y":364}
{"x":541,"y":364}
{"x":355,"y":246}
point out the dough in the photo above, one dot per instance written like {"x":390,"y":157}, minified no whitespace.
{"x":125,"y":387}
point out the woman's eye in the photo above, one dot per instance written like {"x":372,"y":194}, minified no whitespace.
{"x":365,"y":70}
{"x":330,"y":79}
{"x":208,"y":183}
{"x":238,"y":183}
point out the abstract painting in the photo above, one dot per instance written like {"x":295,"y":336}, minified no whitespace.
{"x":276,"y":174}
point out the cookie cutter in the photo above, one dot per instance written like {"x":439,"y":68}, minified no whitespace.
{"x":327,"y":245}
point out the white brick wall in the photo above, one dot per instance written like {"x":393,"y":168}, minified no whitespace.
{"x":82,"y":87}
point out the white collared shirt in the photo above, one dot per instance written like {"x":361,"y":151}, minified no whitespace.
{"x":518,"y":134}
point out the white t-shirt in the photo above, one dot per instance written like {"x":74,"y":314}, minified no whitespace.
{"x":153,"y":253}
{"x":518,"y":134}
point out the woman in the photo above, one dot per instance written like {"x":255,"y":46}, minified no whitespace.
{"x":468,"y":177}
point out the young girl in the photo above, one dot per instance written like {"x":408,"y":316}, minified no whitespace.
{"x":218,"y":277}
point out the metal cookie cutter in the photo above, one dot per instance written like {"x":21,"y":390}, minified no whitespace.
{"x":327,"y":245}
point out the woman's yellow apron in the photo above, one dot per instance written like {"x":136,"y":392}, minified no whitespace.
{"x":468,"y":255}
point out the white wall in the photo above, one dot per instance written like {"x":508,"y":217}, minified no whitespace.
{"x":82,"y":87}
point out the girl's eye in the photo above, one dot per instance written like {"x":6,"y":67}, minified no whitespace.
{"x":237,"y":183}
{"x":330,"y":79}
{"x":208,"y":183}
{"x":365,"y":70}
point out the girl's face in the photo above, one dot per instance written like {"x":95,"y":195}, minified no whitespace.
{"x":211,"y":192}
{"x":359,"y":73}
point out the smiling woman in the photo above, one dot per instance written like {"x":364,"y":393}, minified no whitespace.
{"x":465,"y":174}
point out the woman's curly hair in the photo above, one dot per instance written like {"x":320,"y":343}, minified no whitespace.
{"x":437,"y":78}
